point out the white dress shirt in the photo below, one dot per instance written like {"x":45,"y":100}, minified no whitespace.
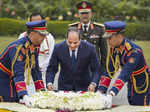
{"x":88,"y":25}
{"x":76,"y":51}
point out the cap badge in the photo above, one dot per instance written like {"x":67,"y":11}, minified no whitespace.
{"x":84,"y":5}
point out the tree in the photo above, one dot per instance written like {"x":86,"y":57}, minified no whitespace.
{"x":66,"y":9}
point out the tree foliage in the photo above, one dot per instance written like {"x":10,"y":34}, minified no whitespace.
{"x":66,"y":10}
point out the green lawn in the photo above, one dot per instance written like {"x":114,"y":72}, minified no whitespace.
{"x":4,"y":41}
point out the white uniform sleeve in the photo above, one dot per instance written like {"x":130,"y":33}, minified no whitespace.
{"x":22,"y":35}
{"x":45,"y":57}
{"x":51,"y":43}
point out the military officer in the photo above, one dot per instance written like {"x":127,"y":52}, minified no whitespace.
{"x":45,"y":52}
{"x":129,"y":57}
{"x":20,"y":55}
{"x":91,"y":31}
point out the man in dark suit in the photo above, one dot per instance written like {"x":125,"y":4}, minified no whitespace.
{"x":77,"y":59}
{"x":91,"y":31}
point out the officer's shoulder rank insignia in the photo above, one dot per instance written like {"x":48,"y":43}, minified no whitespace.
{"x":73,"y":23}
{"x":99,"y":24}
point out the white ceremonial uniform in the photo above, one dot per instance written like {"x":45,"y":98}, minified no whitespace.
{"x":46,"y":49}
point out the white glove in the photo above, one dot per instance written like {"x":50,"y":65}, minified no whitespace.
{"x":107,"y":101}
{"x":50,"y":87}
{"x":27,"y":100}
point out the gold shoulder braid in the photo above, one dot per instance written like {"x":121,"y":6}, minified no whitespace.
{"x":73,"y":23}
{"x":115,"y":63}
{"x":146,"y":83}
{"x":109,"y":56}
{"x":99,"y":24}
{"x":29,"y":64}
{"x":15,"y":58}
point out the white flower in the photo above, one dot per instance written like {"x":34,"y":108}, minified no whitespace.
{"x":68,"y":100}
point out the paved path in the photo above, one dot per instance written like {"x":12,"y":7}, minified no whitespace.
{"x":22,"y":108}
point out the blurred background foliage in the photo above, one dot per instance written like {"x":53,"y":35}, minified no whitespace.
{"x":129,"y":10}
{"x":11,"y":27}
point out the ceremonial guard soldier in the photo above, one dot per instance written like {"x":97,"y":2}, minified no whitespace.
{"x":19,"y":56}
{"x":134,"y":70}
{"x":45,"y":52}
{"x":91,"y":31}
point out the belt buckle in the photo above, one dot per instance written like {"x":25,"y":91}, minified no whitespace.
{"x":1,"y":99}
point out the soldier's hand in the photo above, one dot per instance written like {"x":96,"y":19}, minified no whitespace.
{"x":50,"y":87}
{"x":91,"y":88}
{"x":107,"y":99}
{"x":26,"y":100}
{"x":102,"y":92}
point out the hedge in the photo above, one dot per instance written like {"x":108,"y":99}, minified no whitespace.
{"x":138,"y":31}
{"x":8,"y":27}
{"x":58,"y":28}
{"x":11,"y":26}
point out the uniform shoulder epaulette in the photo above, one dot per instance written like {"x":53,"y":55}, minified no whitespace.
{"x":128,"y":46}
{"x":99,"y":24}
{"x":73,"y":23}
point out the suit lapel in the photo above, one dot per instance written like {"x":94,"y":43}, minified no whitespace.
{"x":67,"y":53}
{"x":79,"y":54}
{"x":91,"y":27}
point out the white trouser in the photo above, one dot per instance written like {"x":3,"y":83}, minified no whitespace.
{"x":121,"y":97}
{"x":31,"y":87}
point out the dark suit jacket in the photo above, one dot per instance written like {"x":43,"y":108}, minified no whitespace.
{"x":86,"y":70}
{"x":94,"y":36}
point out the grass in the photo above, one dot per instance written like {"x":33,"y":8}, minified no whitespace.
{"x":4,"y":41}
{"x":146,"y":48}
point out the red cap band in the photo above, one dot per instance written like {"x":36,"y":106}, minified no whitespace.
{"x":43,"y":28}
{"x":113,"y":30}
{"x":88,"y":7}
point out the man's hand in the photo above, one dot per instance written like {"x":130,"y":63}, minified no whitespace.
{"x":26,"y":100}
{"x":91,"y":87}
{"x":102,"y":92}
{"x":107,"y":101}
{"x":50,"y":87}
